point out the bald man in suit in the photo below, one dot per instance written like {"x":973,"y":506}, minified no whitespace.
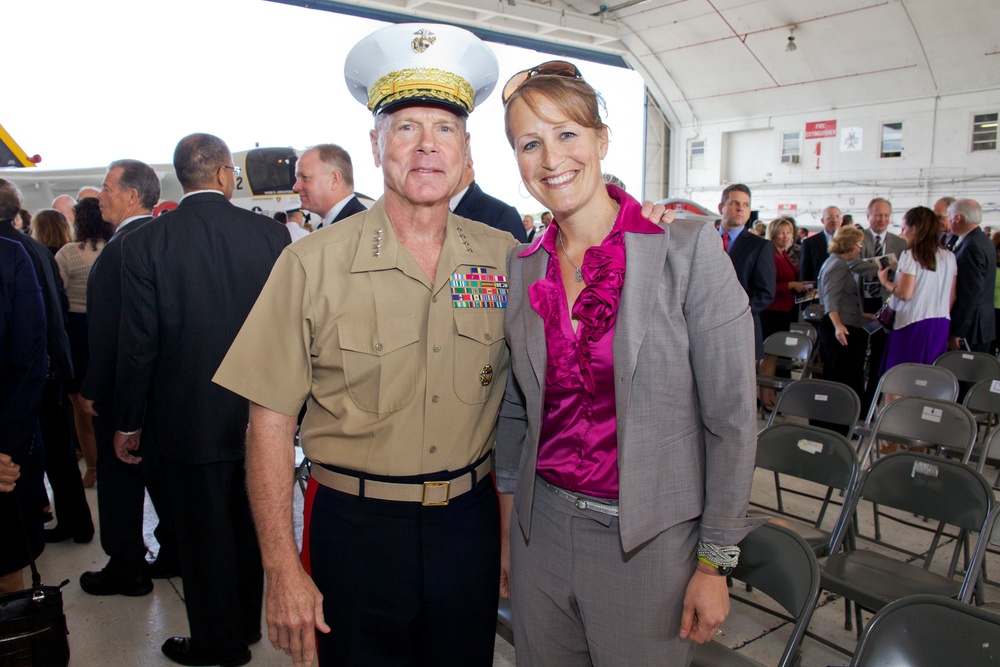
{"x":189,"y":279}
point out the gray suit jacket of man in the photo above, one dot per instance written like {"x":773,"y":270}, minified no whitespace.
{"x":972,"y":316}
{"x":869,"y":270}
{"x":684,"y":395}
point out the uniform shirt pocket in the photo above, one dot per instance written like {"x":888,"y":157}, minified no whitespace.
{"x":480,"y":354}
{"x":380,"y":362}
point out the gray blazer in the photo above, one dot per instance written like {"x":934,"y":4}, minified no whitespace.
{"x":839,"y":291}
{"x":684,"y":358}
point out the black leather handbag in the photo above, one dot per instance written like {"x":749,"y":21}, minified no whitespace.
{"x":32,"y":623}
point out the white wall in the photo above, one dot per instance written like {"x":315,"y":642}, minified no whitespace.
{"x":936,"y":160}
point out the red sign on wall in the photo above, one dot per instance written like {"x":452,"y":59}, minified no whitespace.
{"x":821,"y":129}
{"x":788,"y":208}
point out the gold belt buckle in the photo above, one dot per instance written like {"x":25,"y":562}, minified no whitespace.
{"x":434,"y":485}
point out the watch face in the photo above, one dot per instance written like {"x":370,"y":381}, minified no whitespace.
{"x":726,"y":571}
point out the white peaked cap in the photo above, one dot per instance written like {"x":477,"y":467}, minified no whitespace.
{"x":421,"y":62}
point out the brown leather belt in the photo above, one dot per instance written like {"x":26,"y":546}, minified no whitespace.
{"x":430,"y":494}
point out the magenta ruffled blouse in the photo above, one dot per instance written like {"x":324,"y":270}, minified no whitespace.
{"x":578,"y":449}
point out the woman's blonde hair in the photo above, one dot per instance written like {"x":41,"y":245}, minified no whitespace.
{"x":776,"y":225}
{"x":846,"y":239}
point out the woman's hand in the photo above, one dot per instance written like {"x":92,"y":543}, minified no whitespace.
{"x":883,"y":275}
{"x":658,"y":214}
{"x":796,"y":286}
{"x":841,"y":333}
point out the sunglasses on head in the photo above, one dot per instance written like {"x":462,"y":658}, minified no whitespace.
{"x":552,"y":67}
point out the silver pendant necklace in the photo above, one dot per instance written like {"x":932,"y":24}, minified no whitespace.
{"x":578,"y":276}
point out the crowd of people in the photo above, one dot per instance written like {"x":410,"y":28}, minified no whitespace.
{"x":607,"y":355}
{"x":938,"y":277}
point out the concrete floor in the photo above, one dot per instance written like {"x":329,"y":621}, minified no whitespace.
{"x":118,"y":631}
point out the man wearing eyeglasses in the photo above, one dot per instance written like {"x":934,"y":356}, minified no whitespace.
{"x":189,"y":278}
{"x":941,"y":211}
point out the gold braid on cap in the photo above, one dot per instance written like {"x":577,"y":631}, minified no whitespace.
{"x":420,"y":82}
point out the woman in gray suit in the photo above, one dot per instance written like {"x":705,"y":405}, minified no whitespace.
{"x":843,"y":342}
{"x":626,"y":442}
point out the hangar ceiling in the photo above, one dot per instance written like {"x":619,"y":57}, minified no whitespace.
{"x":713,"y":60}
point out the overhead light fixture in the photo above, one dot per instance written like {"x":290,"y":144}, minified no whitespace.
{"x":791,"y":40}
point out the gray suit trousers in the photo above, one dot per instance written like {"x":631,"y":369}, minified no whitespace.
{"x":578,"y":599}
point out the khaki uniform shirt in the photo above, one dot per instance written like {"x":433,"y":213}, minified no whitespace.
{"x":399,"y":381}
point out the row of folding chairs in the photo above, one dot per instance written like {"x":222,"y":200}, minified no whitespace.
{"x":782,"y":565}
{"x":825,"y":457}
{"x":943,"y":491}
{"x":781,"y":562}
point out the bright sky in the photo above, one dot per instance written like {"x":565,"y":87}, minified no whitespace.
{"x":101,"y":80}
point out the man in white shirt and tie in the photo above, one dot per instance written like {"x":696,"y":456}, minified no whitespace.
{"x":878,"y":241}
{"x":324,"y":182}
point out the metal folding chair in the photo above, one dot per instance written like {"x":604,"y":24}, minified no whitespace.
{"x":779,"y":564}
{"x":814,"y":365}
{"x":815,"y":455}
{"x":793,"y":351}
{"x":922,"y":422}
{"x":969,"y":368}
{"x":929,"y":631}
{"x":938,"y":488}
{"x":830,"y":405}
{"x":920,"y":380}
{"x":829,"y":402}
{"x":983,"y":401}
{"x":805,"y":328}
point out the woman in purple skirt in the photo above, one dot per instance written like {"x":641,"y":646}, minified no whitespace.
{"x":922,"y":294}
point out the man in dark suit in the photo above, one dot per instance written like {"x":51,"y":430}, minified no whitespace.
{"x":68,"y":497}
{"x":130,"y":191}
{"x":972,"y":316}
{"x":814,"y":248}
{"x":22,"y":381}
{"x":324,"y":181}
{"x":469,"y":201}
{"x":189,"y":279}
{"x":752,"y":256}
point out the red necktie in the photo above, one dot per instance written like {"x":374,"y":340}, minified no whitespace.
{"x":725,"y":241}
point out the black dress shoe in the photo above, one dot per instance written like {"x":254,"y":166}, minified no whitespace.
{"x":61,"y":534}
{"x":110,"y":581}
{"x":181,"y":651}
{"x":162,"y":569}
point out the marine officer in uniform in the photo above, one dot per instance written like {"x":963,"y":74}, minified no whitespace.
{"x":397,"y":318}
